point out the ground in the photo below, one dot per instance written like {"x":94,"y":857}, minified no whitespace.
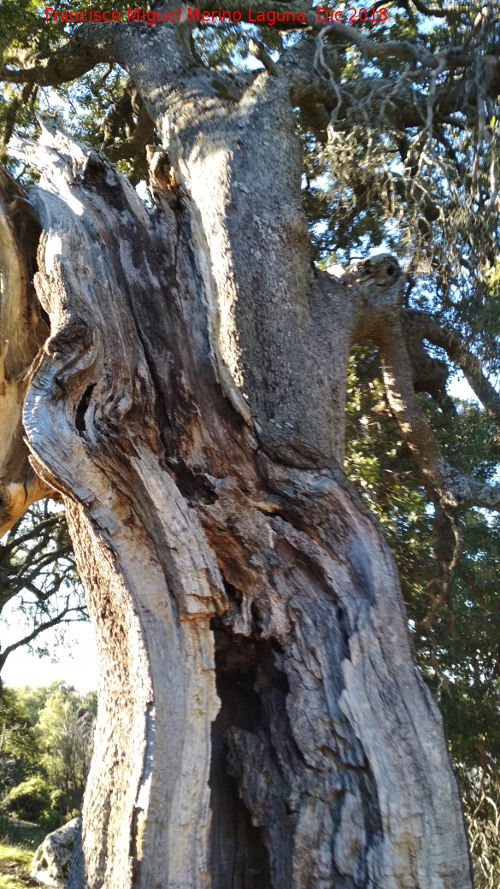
{"x":18,"y":842}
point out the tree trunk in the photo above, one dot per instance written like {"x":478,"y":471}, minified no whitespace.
{"x":261,"y":720}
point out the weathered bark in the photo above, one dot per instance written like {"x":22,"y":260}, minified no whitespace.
{"x":23,"y":330}
{"x":261,"y":719}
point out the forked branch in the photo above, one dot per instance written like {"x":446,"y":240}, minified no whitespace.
{"x":381,"y":322}
{"x":418,"y":325}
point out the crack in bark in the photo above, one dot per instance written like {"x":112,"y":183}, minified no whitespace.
{"x":139,"y":817}
{"x":83,"y":407}
{"x":335,"y":776}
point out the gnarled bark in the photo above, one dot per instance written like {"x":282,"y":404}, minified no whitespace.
{"x":261,"y":719}
{"x":23,"y":330}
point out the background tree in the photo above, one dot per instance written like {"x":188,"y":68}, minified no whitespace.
{"x":46,"y":750}
{"x":66,"y":726}
{"x":18,"y":744}
{"x":38,"y":579}
{"x":203,"y":433}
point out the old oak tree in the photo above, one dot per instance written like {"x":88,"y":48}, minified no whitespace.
{"x":176,"y":369}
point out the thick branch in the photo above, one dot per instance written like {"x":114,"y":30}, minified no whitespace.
{"x":378,"y":284}
{"x":420,"y":325}
{"x":22,"y":332}
{"x":429,"y":374}
{"x":318,"y":95}
{"x":126,"y":148}
{"x":441,"y":13}
{"x":88,"y":45}
{"x":454,"y":489}
{"x":371,"y":49}
{"x":258,"y":50}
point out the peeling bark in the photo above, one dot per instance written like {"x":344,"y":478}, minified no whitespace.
{"x":261,"y":719}
{"x":23,"y":330}
{"x":261,"y":722}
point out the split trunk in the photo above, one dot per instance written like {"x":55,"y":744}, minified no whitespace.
{"x":262,"y":723}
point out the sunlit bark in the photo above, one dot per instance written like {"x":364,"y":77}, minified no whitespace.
{"x":261,"y":723}
{"x":261,"y":720}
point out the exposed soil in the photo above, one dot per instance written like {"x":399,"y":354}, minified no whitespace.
{"x":16,"y":870}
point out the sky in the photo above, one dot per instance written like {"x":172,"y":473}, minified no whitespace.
{"x":76,"y":661}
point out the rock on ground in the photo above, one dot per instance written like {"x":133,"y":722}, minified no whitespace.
{"x":52,"y":859}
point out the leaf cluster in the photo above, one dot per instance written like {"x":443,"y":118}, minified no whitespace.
{"x":46,"y":750}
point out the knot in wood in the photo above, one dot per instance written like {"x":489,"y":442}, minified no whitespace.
{"x":379,"y":278}
{"x":75,"y":336}
{"x":379,"y":286}
{"x":162,"y":177}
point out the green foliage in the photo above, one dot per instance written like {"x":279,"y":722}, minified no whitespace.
{"x":17,"y":737}
{"x":488,"y":315}
{"x":50,"y":820}
{"x":54,"y":757}
{"x":18,"y":741}
{"x":457,"y":640}
{"x":66,"y":725}
{"x":28,"y":800}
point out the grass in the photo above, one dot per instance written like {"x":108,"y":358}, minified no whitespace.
{"x":18,"y":843}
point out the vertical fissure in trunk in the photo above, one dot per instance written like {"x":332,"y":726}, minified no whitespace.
{"x":251,"y":602}
{"x":141,"y":805}
{"x":239,"y":856}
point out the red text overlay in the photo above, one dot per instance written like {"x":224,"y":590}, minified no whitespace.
{"x":152,"y":16}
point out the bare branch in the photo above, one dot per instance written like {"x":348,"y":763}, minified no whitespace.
{"x":371,"y":49}
{"x":40,"y":628}
{"x":14,"y":542}
{"x":436,"y":13}
{"x":424,"y":327}
{"x":258,"y":50}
